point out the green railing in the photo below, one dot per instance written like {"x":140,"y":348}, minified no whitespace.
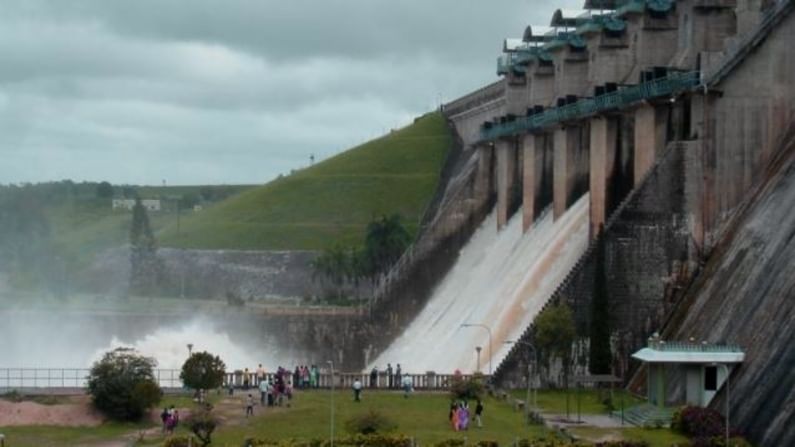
{"x":676,"y":346}
{"x":669,"y":85}
{"x":630,"y":6}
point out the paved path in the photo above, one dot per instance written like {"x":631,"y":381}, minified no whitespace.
{"x":589,"y":420}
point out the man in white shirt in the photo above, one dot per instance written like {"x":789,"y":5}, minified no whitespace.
{"x":357,"y":390}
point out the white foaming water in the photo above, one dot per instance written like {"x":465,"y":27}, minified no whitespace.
{"x":502,"y":280}
{"x":169,"y":346}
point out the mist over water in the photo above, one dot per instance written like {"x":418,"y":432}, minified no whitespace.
{"x":501,"y":279}
{"x":49,"y":340}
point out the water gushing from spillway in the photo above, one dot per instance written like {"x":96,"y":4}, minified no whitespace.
{"x":502,"y":279}
{"x":168,"y":346}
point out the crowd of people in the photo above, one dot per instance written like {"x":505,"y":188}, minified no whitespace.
{"x":277,"y":389}
{"x":170,"y":419}
{"x":394,"y":378}
{"x":460,"y":415}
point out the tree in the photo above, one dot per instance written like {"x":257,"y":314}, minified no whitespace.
{"x":385,"y":242}
{"x":105,"y":190}
{"x":202,"y":423}
{"x":599,"y":355}
{"x":143,"y":252}
{"x":129,"y":192}
{"x":203,"y":371}
{"x":122,"y":384}
{"x":554,"y":335}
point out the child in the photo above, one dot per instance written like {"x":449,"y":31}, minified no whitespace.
{"x":250,"y":406}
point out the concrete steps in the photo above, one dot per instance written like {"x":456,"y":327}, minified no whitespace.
{"x":647,"y":415}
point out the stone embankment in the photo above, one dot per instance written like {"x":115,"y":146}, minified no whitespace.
{"x":280,"y":276}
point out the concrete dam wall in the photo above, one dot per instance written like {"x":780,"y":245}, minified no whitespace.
{"x":746,"y":296}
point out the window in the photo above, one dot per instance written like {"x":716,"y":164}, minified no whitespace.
{"x":711,"y":378}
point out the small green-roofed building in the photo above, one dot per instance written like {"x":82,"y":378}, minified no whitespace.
{"x":705,"y":368}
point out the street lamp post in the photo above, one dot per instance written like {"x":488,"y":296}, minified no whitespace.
{"x":332,"y":402}
{"x":478,"y":348}
{"x":489,"y":331}
{"x":728,"y":398}
{"x":190,"y":349}
{"x":530,"y":376}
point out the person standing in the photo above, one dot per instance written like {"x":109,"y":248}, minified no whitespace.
{"x":250,"y":406}
{"x":374,"y":377}
{"x":479,"y":413}
{"x":246,"y":379}
{"x":270,"y":393}
{"x":263,"y":392}
{"x":463,"y":417}
{"x":164,"y":418}
{"x":407,"y":386}
{"x":313,"y":373}
{"x":398,"y":376}
{"x":389,"y":375}
{"x":260,"y":374}
{"x":357,"y":390}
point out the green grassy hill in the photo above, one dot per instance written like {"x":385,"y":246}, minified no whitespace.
{"x":330,"y":202}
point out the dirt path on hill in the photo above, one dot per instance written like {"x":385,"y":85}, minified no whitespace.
{"x":76,"y":412}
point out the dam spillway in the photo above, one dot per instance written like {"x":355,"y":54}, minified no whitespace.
{"x":502,"y":279}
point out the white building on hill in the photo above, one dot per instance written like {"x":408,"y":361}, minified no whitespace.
{"x":128,"y":204}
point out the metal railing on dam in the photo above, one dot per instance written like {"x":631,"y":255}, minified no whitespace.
{"x":665,"y":86}
{"x":43,"y":379}
{"x":34,"y":378}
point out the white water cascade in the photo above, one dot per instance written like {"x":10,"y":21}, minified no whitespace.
{"x":168,"y":346}
{"x":501,"y":280}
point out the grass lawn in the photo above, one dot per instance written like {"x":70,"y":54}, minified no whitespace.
{"x":554,"y":401}
{"x":330,"y":202}
{"x":41,"y":436}
{"x":422,"y":416}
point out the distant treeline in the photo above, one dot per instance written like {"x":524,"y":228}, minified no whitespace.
{"x":38,"y":222}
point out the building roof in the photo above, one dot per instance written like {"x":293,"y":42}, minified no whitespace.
{"x":569,"y":17}
{"x":537,"y":33}
{"x":675,"y":352}
{"x":509,"y":45}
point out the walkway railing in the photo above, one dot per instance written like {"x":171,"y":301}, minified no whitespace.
{"x":26,"y":378}
{"x":345,"y":380}
{"x":76,"y":378}
{"x":669,"y":85}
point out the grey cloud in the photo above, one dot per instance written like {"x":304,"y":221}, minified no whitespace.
{"x":201,"y":91}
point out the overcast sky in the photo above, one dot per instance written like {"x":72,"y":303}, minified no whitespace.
{"x":232,"y":91}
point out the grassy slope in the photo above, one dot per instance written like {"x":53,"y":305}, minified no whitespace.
{"x":330,"y":202}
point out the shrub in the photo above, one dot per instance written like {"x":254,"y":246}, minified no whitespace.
{"x":376,"y":440}
{"x":369,"y":423}
{"x":122,"y":384}
{"x":487,"y":444}
{"x":468,"y":389}
{"x":178,"y":441}
{"x":450,"y":443}
{"x":202,"y":423}
{"x":698,"y":422}
{"x":719,"y":441}
{"x":622,"y":444}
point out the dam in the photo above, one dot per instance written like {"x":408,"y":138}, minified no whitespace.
{"x":639,"y":151}
{"x":668,"y":118}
